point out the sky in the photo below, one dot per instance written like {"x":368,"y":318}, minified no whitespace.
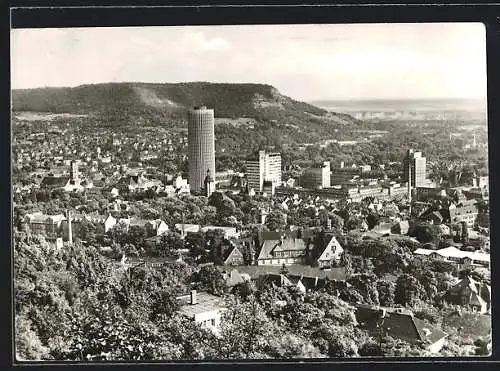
{"x":305,"y":62}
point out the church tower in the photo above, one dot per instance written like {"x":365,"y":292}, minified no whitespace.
{"x":209,"y":184}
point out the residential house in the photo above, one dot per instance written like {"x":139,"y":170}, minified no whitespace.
{"x":103,"y":223}
{"x":312,"y":278}
{"x":234,"y":277}
{"x":66,"y":183}
{"x":476,"y":296}
{"x":203,"y":308}
{"x":465,"y":211}
{"x":109,"y":223}
{"x":277,"y":249}
{"x":55,"y":182}
{"x":280,"y":280}
{"x":156,"y":227}
{"x":139,"y":183}
{"x":331,"y":253}
{"x":399,"y":323}
{"x":234,"y":256}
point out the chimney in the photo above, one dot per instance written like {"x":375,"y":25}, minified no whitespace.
{"x":316,"y":282}
{"x":193,"y":297}
{"x":70,"y":231}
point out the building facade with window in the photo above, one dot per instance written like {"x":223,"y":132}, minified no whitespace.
{"x":203,"y":308}
{"x":266,"y":167}
{"x":417,"y":163}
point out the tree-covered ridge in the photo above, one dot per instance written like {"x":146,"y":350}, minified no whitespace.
{"x":259,"y":101}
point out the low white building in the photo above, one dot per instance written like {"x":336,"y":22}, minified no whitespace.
{"x":203,"y":308}
{"x":461,"y":258}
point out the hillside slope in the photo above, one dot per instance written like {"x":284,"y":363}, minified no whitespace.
{"x":259,"y":101}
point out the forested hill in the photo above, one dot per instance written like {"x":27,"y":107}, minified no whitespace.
{"x":258,"y":101}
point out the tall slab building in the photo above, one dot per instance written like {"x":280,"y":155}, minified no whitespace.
{"x":266,"y":167}
{"x":201,"y":146}
{"x":417,"y":163}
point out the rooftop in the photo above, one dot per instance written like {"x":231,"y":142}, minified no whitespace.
{"x":398,"y":323}
{"x":453,"y":252}
{"x":254,"y":271}
{"x":205,"y":302}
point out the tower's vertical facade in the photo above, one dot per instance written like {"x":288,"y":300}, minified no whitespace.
{"x":75,"y":173}
{"x":201,"y":146}
{"x":415,"y":163}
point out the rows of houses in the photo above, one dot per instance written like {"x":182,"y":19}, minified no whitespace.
{"x":58,"y":225}
{"x":397,"y":322}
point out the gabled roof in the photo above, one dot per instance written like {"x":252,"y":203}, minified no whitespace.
{"x":279,"y":280}
{"x":311,"y":283}
{"x":426,"y":332}
{"x":290,"y":244}
{"x":294,"y":270}
{"x":273,"y":236}
{"x":55,"y":182}
{"x":269,"y":247}
{"x":397,"y":323}
{"x":231,"y":252}
{"x":480,"y":290}
{"x":332,"y":248}
{"x":236,"y":278}
{"x":475,"y":299}
{"x":437,"y":215}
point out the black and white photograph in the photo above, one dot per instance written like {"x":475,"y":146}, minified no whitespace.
{"x":250,"y":192}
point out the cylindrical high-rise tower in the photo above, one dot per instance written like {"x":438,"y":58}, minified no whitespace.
{"x":201,"y":143}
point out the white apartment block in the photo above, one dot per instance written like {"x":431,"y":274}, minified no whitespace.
{"x":266,"y":167}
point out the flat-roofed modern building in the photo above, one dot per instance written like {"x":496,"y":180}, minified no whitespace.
{"x":316,"y":177}
{"x":202,"y":308}
{"x":417,"y":163}
{"x":266,"y":167}
{"x":201,"y":146}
